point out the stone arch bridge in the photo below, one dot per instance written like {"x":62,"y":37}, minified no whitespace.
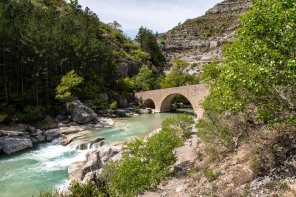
{"x":163,"y":98}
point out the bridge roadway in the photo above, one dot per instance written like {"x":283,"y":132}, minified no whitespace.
{"x":162,"y":99}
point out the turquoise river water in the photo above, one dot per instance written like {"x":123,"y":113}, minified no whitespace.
{"x":45,"y":166}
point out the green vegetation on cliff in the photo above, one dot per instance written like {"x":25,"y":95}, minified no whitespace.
{"x":253,"y":92}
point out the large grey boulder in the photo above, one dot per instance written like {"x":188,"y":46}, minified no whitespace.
{"x":69,"y":130}
{"x":96,"y":159}
{"x":104,"y":96}
{"x":41,"y":138}
{"x":81,"y":113}
{"x":14,"y":144}
{"x":121,"y":112}
{"x":68,"y":139}
{"x":52,"y":134}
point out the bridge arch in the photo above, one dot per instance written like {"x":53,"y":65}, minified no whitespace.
{"x":163,"y":98}
{"x":149,"y":103}
{"x":167,"y":102}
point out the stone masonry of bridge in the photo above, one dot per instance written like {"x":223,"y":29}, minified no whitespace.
{"x":163,"y":98}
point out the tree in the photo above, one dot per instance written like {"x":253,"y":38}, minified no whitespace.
{"x":149,"y":44}
{"x":145,"y":80}
{"x":177,"y":77}
{"x":260,"y":66}
{"x":68,"y":82}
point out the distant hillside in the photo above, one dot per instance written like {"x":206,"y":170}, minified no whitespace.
{"x":199,"y":40}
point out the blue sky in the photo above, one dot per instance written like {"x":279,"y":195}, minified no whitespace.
{"x":157,"y":15}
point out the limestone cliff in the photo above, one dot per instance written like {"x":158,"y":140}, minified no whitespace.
{"x":200,"y":40}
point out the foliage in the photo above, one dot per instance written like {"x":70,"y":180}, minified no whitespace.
{"x":3,"y":117}
{"x":177,"y":77}
{"x":148,"y":42}
{"x":99,"y":103}
{"x":260,"y":65}
{"x":252,"y":95}
{"x":32,"y":114}
{"x":68,"y":82}
{"x":86,"y":190}
{"x":142,"y":166}
{"x":145,"y":163}
{"x":49,"y":193}
{"x":210,"y":175}
{"x":43,"y":40}
{"x":113,"y":105}
{"x":145,"y":79}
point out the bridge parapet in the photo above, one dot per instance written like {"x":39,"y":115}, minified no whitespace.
{"x":163,"y":98}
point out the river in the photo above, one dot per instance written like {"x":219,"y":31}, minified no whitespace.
{"x":45,"y":166}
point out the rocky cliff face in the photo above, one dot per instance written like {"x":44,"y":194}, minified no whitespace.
{"x":201,"y":39}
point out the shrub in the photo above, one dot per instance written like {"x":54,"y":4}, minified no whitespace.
{"x":145,"y":164}
{"x":210,"y":175}
{"x":3,"y":117}
{"x":32,"y":114}
{"x":99,"y":103}
{"x":113,"y":105}
{"x":209,"y":32}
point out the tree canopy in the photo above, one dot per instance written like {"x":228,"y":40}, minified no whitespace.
{"x":148,"y":42}
{"x":260,"y":67}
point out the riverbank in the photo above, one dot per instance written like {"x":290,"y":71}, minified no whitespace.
{"x":20,"y":137}
{"x":46,"y":164}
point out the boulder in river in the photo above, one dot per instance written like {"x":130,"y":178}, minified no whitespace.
{"x":69,"y":130}
{"x":96,"y":140}
{"x":75,"y":171}
{"x":15,"y":144}
{"x":41,"y":138}
{"x":52,"y":134}
{"x":96,"y":159}
{"x":68,"y":139}
{"x":81,"y":113}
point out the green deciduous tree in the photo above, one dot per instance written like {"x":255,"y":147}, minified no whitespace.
{"x":68,"y":82}
{"x":260,"y":66}
{"x":145,"y":79}
{"x":177,"y":77}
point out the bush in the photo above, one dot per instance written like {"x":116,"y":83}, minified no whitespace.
{"x":209,"y":32}
{"x":113,"y":105}
{"x":3,"y":117}
{"x":32,"y":114}
{"x":210,"y":175}
{"x":145,"y":164}
{"x":142,"y":166}
{"x":99,"y":103}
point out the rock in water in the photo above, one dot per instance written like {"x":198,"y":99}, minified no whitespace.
{"x":15,"y":144}
{"x":96,"y":159}
{"x":52,"y":134}
{"x":75,"y":171}
{"x":81,"y":113}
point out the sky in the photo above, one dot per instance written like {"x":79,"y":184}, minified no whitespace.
{"x":157,"y":15}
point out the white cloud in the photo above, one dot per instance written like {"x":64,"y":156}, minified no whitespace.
{"x":157,"y":15}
